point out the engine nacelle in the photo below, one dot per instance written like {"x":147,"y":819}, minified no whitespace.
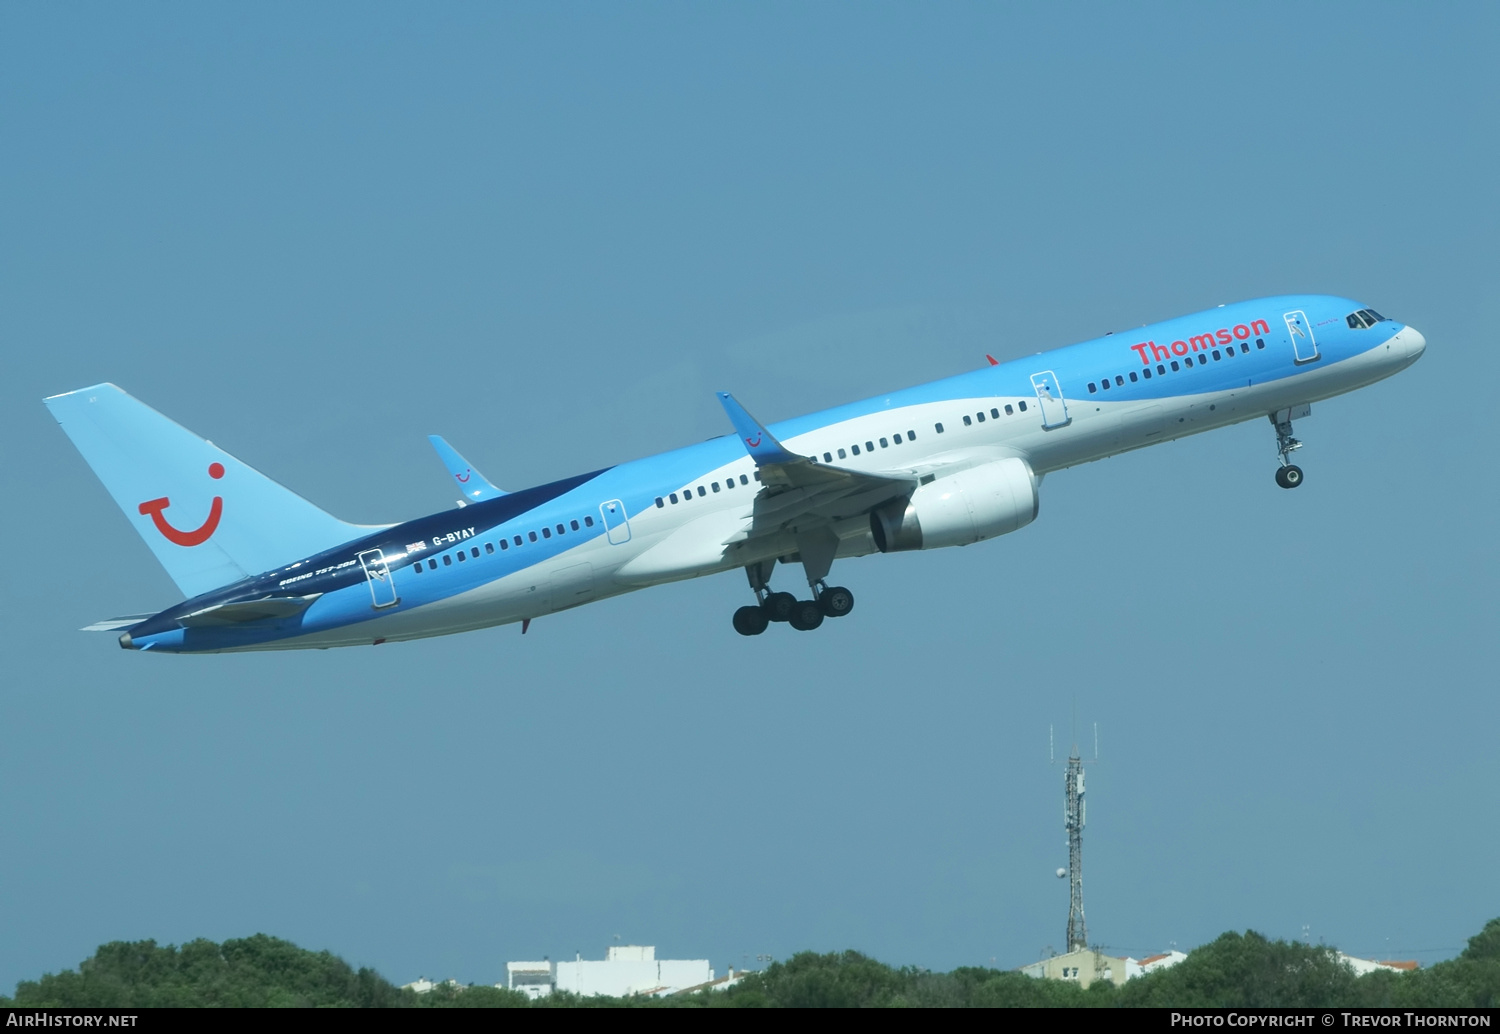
{"x":971,"y":506}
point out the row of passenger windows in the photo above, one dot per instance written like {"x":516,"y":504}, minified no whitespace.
{"x":994,"y":415}
{"x":687,"y":493}
{"x":1363,"y":318}
{"x":1161,"y":368}
{"x":505,"y":543}
{"x":885,"y":443}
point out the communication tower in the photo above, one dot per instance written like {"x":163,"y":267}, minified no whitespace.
{"x":1074,"y":815}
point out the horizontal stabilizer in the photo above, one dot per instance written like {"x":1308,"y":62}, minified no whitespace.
{"x":245,"y":611}
{"x":115,"y":624}
{"x":474,"y":485}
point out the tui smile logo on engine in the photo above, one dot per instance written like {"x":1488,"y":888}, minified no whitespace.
{"x":198,"y":535}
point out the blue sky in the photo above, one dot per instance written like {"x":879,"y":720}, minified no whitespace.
{"x":316,"y":235}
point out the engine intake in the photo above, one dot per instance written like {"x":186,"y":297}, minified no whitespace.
{"x":970,"y":506}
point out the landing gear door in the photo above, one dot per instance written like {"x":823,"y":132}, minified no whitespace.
{"x":1304,"y":345}
{"x":382,"y":589}
{"x":616,"y":526}
{"x":1049,"y":397}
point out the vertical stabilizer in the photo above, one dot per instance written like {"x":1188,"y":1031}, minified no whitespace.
{"x":209,"y":518}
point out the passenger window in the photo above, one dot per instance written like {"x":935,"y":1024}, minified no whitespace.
{"x":968,"y":421}
{"x":1119,"y":381}
{"x":461,"y":556}
{"x":938,"y":428}
{"x":432,"y":565}
{"x":1244,"y":348}
{"x":1093,"y":388}
{"x":518,"y":539}
{"x":911,"y":436}
{"x":884,"y":444}
{"x":869,"y":446}
{"x":1146,"y":373}
{"x":995,"y":413}
{"x":1162,"y":370}
{"x":673,"y":497}
{"x":447,"y":560}
{"x":1217,"y":356}
{"x":827,"y":458}
{"x":1104,"y":384}
{"x":531,"y":535}
{"x":660,"y":502}
{"x":417,"y":567}
{"x":715,"y":486}
{"x":742,"y":477}
{"x":1175,"y":367}
{"x":702,"y":491}
{"x":1009,"y":411}
{"x":504,"y":544}
{"x":1133,"y":377}
{"x":546,"y":533}
{"x":561,"y":530}
{"x":588,"y":522}
{"x":475,"y":552}
{"x":980,"y":416}
{"x":896,"y":438}
{"x":1260,"y":342}
{"x":1022,"y":405}
{"x":854,"y":449}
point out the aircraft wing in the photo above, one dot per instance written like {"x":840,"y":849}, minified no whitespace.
{"x":800,"y":491}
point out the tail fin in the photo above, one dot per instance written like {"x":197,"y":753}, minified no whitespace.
{"x":209,"y":518}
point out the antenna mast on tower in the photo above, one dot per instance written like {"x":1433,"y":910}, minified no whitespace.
{"x":1074,"y":816}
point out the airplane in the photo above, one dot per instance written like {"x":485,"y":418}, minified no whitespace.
{"x":949,"y":463}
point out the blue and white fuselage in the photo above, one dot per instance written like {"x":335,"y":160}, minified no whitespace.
{"x":952,"y":462}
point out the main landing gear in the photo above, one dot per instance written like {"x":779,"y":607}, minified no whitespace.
{"x":1288,"y":475}
{"x":803,"y":615}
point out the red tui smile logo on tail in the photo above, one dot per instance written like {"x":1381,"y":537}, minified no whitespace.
{"x":198,"y":535}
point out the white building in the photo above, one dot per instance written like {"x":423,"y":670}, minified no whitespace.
{"x":1152,"y":963}
{"x":627,"y":969}
{"x":1363,"y":966}
{"x":533,"y":979}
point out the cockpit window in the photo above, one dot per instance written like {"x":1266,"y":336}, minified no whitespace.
{"x":1374,"y":315}
{"x":1358,"y":320}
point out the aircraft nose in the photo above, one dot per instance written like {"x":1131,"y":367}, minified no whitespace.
{"x":1416,"y":344}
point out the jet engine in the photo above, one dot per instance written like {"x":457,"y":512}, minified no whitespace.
{"x":970,"y":506}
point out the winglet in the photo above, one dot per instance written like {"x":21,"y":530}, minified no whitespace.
{"x":472,"y":483}
{"x":992,"y":359}
{"x":761,"y":444}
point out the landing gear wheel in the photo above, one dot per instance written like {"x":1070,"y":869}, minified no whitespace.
{"x":806,"y":615}
{"x":1289,"y":476}
{"x":836,"y":602}
{"x":750,"y":621}
{"x":778,"y":606}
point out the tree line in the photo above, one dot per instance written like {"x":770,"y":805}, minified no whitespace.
{"x":1238,"y":970}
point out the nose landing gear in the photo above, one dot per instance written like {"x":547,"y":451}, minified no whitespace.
{"x":1288,"y":475}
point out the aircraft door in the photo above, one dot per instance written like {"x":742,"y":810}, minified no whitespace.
{"x":1304,"y":346}
{"x":1049,"y":397}
{"x":382,"y":589}
{"x":616,"y":525}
